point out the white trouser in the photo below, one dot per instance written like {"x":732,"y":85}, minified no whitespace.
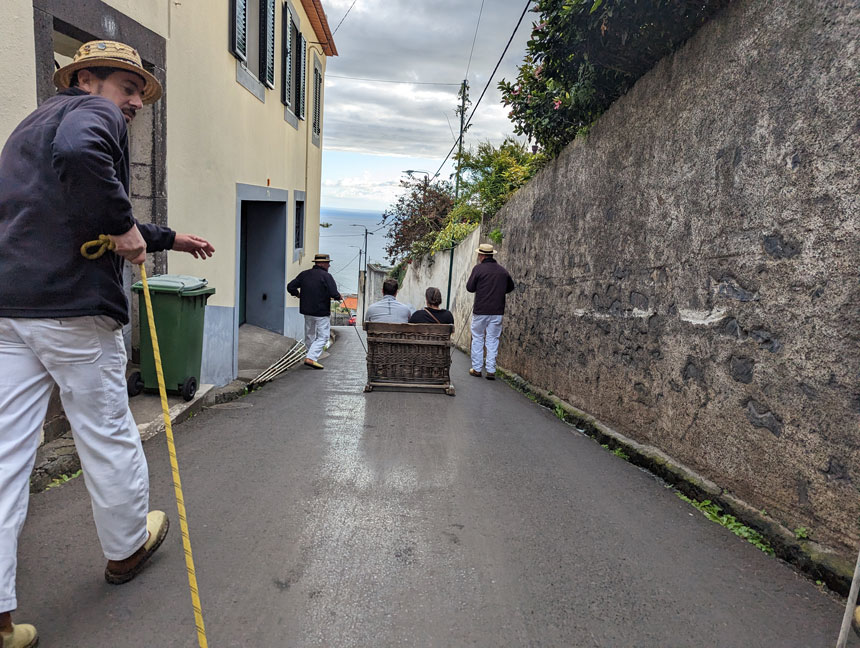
{"x":317,"y":330}
{"x":486,"y":329}
{"x":86,"y":357}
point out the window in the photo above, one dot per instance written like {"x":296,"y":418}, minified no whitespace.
{"x":239,"y":33}
{"x":267,"y":36}
{"x":299,"y":242}
{"x":317,"y":113}
{"x":293,"y":64}
{"x":252,"y":38}
{"x":253,"y":60}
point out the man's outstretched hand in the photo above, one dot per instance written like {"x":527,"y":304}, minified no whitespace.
{"x":200,"y":248}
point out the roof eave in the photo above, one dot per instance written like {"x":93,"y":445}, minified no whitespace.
{"x":319,"y":22}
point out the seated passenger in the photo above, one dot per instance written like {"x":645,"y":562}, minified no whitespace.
{"x":388,"y":309}
{"x":432,"y":314}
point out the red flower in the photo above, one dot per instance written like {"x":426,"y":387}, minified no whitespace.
{"x":556,"y":104}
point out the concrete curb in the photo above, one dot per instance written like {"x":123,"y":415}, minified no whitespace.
{"x":815,"y":560}
{"x":59,"y":457}
{"x":178,"y":413}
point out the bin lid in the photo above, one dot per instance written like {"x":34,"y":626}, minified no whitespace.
{"x":177,"y":284}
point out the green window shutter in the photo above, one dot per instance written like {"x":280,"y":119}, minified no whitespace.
{"x":302,"y":81}
{"x":317,"y":99}
{"x":267,"y":42}
{"x":286,"y":58}
{"x":239,"y":31}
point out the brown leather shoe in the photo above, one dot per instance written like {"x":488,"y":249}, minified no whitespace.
{"x":476,"y":374}
{"x":313,"y":364}
{"x":118,"y":572}
{"x":490,"y":376}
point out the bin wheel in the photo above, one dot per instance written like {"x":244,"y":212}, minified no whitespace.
{"x":189,"y":388}
{"x":134,"y":384}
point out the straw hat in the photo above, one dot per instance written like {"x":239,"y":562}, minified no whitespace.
{"x":485,"y":248}
{"x":114,"y":55}
{"x":321,"y":258}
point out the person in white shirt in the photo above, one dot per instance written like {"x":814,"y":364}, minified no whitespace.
{"x":388,"y":309}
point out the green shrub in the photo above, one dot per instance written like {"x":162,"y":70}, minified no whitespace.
{"x":584,"y":54}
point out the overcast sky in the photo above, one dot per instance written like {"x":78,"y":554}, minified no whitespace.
{"x":373,"y":131}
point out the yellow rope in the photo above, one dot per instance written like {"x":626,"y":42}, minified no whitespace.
{"x":104,"y":243}
{"x":177,"y":482}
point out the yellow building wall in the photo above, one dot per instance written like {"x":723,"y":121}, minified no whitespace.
{"x":17,"y":64}
{"x":152,"y":14}
{"x":219,"y":134}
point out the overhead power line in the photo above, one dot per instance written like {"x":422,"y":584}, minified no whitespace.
{"x":336,"y":76}
{"x":474,"y":38}
{"x":344,"y":18}
{"x":489,"y":81}
{"x":346,"y":265}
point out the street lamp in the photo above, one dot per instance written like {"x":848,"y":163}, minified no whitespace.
{"x":364,"y":278}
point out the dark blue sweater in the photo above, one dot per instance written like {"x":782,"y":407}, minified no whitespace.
{"x":315,"y":289}
{"x":490,"y":282}
{"x":64,"y":179}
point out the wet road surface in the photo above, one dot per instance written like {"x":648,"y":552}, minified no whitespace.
{"x":323,"y":516}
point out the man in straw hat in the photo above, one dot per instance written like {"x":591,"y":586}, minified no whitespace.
{"x":64,"y":180}
{"x":490,"y":282}
{"x":315,"y":289}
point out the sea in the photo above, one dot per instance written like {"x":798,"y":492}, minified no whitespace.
{"x":344,"y":236}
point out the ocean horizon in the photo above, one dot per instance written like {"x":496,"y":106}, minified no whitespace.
{"x":343,"y":238}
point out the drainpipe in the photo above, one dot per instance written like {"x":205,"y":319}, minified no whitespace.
{"x":309,"y":125}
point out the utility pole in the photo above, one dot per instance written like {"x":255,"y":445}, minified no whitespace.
{"x":360,"y":274}
{"x":463,"y":90}
{"x":364,"y":278}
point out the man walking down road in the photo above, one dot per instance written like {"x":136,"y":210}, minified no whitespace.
{"x":315,"y":289}
{"x":388,"y":309}
{"x":490,"y":282}
{"x":64,"y":180}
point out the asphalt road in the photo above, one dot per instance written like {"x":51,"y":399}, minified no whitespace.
{"x":323,"y":516}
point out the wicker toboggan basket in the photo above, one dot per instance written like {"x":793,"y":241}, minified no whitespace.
{"x":409,"y":356}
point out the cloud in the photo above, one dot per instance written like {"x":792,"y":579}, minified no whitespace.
{"x":427,"y":42}
{"x":361,"y":188}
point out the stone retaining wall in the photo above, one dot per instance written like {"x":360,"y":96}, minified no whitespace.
{"x":688,"y":273}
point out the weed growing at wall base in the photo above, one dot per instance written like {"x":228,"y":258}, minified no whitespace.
{"x":714,"y":513}
{"x":618,"y":452}
{"x":62,"y":479}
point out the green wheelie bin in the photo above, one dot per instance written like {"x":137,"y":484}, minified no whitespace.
{"x":178,"y":306}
